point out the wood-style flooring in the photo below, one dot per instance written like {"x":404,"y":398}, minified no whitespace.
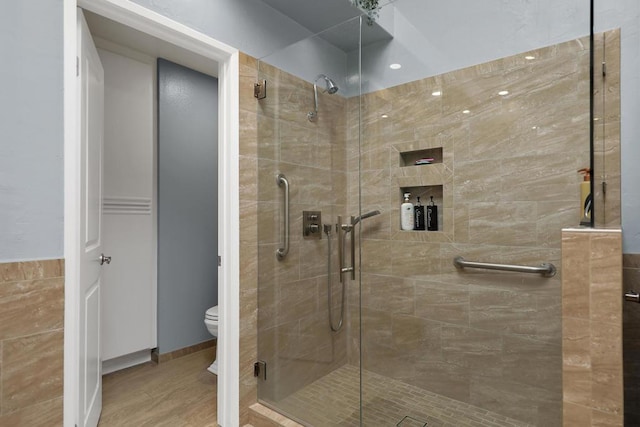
{"x":180,"y":392}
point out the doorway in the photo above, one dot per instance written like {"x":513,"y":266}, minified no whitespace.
{"x":185,"y":44}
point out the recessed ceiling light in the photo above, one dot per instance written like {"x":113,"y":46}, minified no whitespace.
{"x":465,"y":111}
{"x":384,"y":116}
{"x":395,"y":66}
{"x":436,"y":93}
{"x":503,"y":93}
{"x":529,"y":57}
{"x":534,"y":127}
{"x":595,"y":119}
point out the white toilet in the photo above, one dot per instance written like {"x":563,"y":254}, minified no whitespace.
{"x":211,"y":321}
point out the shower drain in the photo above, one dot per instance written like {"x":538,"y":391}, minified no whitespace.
{"x":408,"y":421}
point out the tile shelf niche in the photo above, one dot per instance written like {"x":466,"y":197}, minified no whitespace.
{"x":424,"y":192}
{"x":408,"y":158}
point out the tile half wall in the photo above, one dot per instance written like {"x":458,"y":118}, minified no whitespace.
{"x":31,"y":343}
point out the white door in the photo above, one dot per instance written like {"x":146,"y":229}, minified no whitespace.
{"x":91,"y":93}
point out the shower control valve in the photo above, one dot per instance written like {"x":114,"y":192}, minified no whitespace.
{"x":311,"y":224}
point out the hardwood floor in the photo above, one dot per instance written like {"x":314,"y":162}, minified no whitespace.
{"x":180,"y":392}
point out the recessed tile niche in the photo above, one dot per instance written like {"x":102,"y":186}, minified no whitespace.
{"x":409,"y":158}
{"x":425,"y":193}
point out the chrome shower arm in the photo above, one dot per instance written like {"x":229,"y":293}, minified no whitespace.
{"x":311,"y":115}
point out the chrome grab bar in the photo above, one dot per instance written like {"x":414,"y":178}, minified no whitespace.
{"x":343,"y":229}
{"x":546,"y":269}
{"x":282,"y":252}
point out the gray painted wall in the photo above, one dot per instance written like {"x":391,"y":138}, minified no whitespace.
{"x":31,"y":164}
{"x":259,"y":30}
{"x":31,"y":131}
{"x":187,"y":204}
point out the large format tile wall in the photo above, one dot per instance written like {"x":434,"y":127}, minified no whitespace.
{"x":31,"y":343}
{"x":631,"y":340}
{"x":592,"y":328}
{"x":506,"y":187}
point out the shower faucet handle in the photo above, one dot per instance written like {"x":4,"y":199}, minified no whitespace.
{"x":312,"y":224}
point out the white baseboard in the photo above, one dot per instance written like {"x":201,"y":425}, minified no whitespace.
{"x":126,"y":361}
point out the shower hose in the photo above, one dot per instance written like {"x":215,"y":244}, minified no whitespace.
{"x":327,"y":230}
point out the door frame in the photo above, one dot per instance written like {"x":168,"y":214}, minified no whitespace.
{"x":154,"y":24}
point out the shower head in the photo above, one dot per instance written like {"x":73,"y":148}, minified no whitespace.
{"x":365,"y":216}
{"x":329,"y":87}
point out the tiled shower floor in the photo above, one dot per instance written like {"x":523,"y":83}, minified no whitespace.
{"x":332,"y":401}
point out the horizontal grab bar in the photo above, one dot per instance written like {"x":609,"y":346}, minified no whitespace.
{"x":546,"y":269}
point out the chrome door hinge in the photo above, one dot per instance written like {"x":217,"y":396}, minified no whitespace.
{"x":77,"y":66}
{"x":260,"y":90}
{"x":219,"y":261}
{"x":260,"y":369}
{"x":604,"y":69}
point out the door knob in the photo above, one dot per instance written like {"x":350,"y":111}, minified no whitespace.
{"x":632,"y":296}
{"x":105,"y":259}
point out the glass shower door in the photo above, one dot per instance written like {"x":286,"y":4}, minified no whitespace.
{"x":304,"y":123}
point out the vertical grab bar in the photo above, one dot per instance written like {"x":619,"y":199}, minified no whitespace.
{"x":282,"y":252}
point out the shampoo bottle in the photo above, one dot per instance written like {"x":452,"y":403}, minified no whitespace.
{"x":406,"y":213}
{"x":419,"y":216}
{"x":432,"y":216}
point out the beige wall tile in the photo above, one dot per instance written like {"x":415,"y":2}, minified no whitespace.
{"x":605,"y":419}
{"x":44,"y":414}
{"x":31,"y":321}
{"x":575,"y":415}
{"x":606,"y":364}
{"x":472,"y":348}
{"x":32,"y":370}
{"x":442,"y":302}
{"x":576,"y":275}
{"x":592,"y":346}
{"x":606,"y":278}
{"x":576,"y":356}
{"x":30,"y":307}
{"x":31,"y":270}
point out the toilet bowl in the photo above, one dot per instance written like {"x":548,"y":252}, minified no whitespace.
{"x":211,"y":321}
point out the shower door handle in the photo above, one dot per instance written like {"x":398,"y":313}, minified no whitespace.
{"x":353,"y":250}
{"x":282,"y":252}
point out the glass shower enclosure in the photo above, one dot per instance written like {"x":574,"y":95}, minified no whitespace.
{"x":484,"y":114}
